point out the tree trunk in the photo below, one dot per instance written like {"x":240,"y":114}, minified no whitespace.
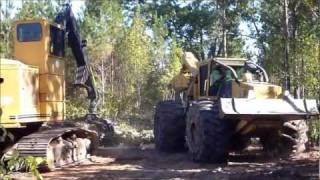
{"x":286,"y":53}
{"x":112,"y":73}
{"x":318,"y":74}
{"x":261,"y":42}
{"x":225,"y":54}
{"x":103,"y":81}
{"x":296,"y":68}
{"x":221,"y":5}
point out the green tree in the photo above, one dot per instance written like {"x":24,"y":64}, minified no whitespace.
{"x":6,"y":21}
{"x":101,"y":24}
{"x":288,"y":39}
{"x":202,"y":27}
{"x":159,"y":57}
{"x":133,"y":55}
{"x":37,"y":9}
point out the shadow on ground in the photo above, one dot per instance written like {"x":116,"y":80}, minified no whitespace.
{"x":147,"y":163}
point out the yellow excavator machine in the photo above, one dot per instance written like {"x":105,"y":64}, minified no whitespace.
{"x":33,"y":92}
{"x":220,"y":103}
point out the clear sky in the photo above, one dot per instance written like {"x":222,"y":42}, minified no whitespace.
{"x":77,"y":5}
{"x":250,"y":45}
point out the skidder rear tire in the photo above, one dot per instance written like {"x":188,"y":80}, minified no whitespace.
{"x":294,"y":136}
{"x":169,"y":127}
{"x":207,"y":135}
{"x":291,"y":139}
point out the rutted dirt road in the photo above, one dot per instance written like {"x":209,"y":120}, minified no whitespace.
{"x":146,"y":163}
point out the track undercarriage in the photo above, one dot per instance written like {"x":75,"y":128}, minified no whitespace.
{"x":62,"y":144}
{"x":59,"y":147}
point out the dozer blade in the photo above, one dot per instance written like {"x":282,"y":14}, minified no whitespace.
{"x":268,"y":109}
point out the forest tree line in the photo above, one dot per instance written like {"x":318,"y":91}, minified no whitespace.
{"x":135,"y":47}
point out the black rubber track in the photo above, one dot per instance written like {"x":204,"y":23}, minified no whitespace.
{"x":207,"y":135}
{"x":169,"y":127}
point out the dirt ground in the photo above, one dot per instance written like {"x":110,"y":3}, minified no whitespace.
{"x":146,"y":163}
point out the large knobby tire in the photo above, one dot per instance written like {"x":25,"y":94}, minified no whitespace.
{"x":294,"y":136}
{"x":290,"y":139}
{"x":169,"y":127}
{"x":207,"y":135}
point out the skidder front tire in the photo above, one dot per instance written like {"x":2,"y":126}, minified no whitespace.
{"x":169,"y":127}
{"x":207,"y":135}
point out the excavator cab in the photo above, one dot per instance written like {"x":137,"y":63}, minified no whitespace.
{"x":37,"y":69}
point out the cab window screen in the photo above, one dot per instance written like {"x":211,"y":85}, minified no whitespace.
{"x":29,"y":32}
{"x":56,"y":41}
{"x":216,"y":76}
{"x":203,"y":76}
{"x":239,"y":71}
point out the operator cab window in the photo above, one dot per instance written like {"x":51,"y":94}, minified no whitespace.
{"x":239,"y":70}
{"x":29,"y":32}
{"x":221,"y":78}
{"x":56,"y":41}
{"x":217,"y":75}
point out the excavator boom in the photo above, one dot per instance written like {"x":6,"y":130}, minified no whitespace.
{"x":84,"y":77}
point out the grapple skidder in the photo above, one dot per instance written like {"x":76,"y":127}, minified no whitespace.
{"x":220,"y":103}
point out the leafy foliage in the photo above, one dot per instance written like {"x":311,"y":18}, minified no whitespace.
{"x":14,"y":163}
{"x":314,"y":131}
{"x":36,"y":9}
{"x":133,"y":55}
{"x":6,"y":43}
{"x":199,"y":25}
{"x":296,"y":41}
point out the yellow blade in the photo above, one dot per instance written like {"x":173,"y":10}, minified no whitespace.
{"x":273,"y":109}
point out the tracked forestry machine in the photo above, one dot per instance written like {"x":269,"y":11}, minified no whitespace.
{"x":221,"y":103}
{"x":33,"y":92}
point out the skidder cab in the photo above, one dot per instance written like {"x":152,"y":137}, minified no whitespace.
{"x":221,"y":103}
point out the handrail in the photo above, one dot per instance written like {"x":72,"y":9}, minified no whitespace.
{"x":230,"y":68}
{"x":265,"y":75}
